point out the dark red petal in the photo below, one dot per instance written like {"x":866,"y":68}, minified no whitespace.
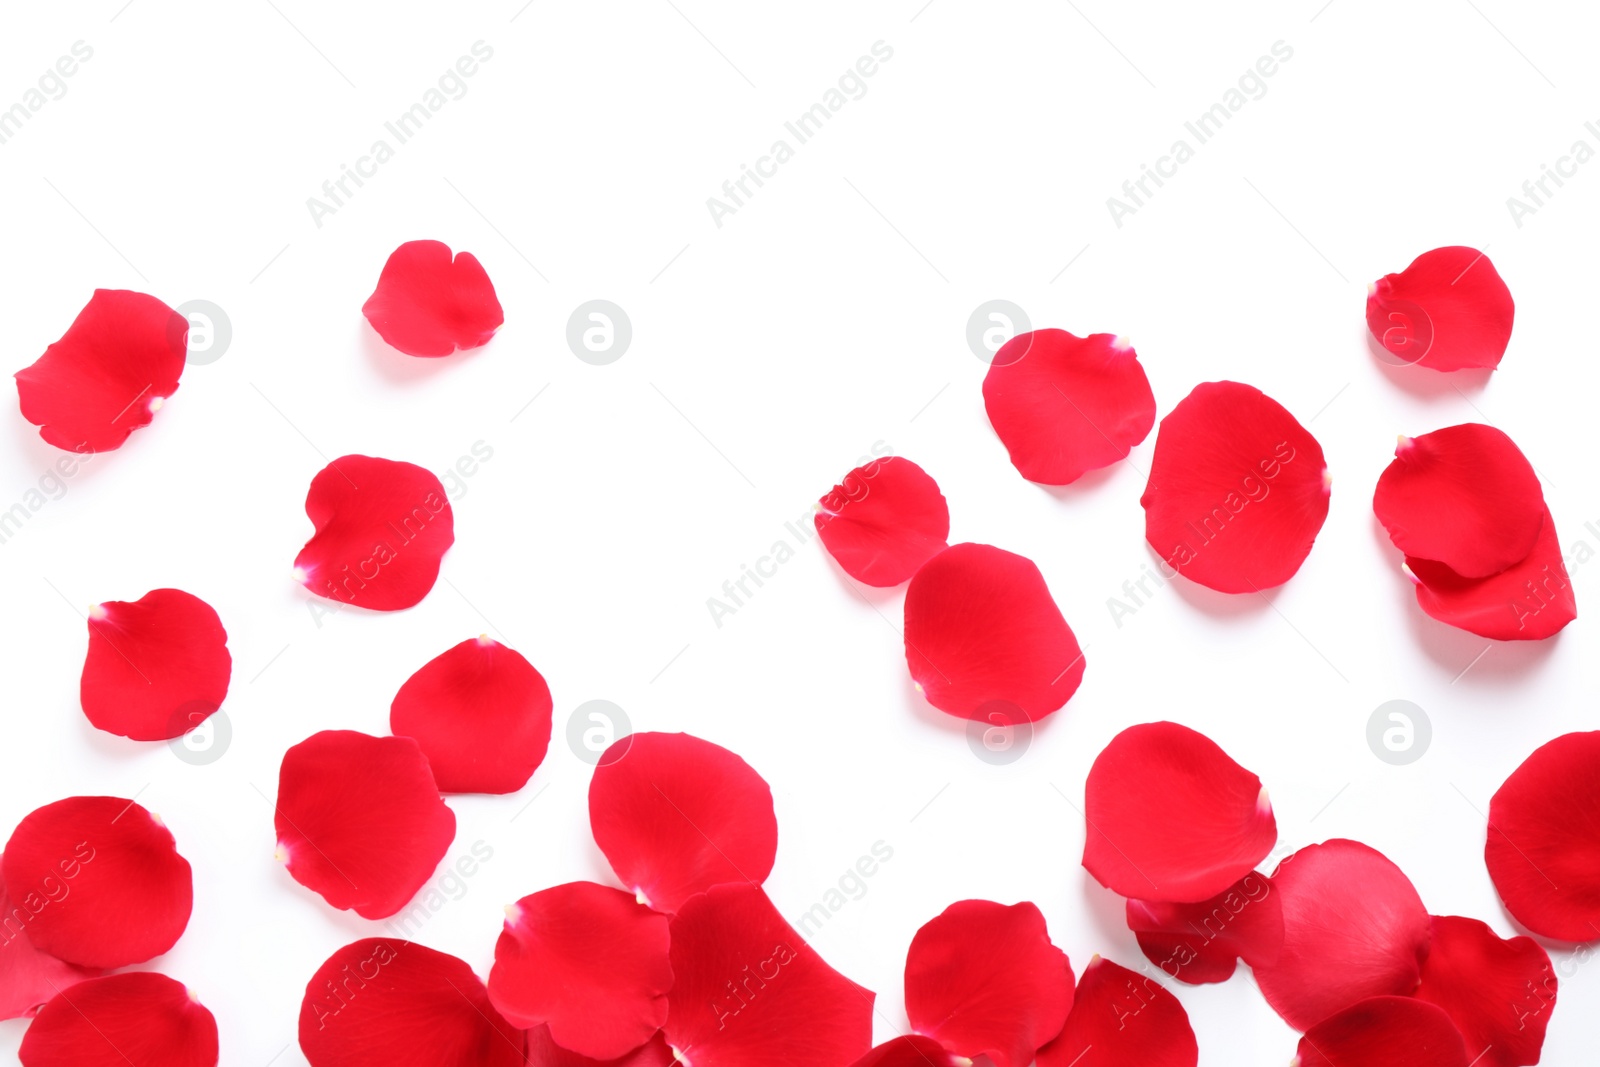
{"x":157,"y":667}
{"x":382,"y":528}
{"x":481,"y":714}
{"x":1238,"y":489}
{"x":1449,"y":310}
{"x":1542,"y":852}
{"x":102,"y":879}
{"x":1171,"y":817}
{"x":360,"y":821}
{"x":984,"y":639}
{"x":383,"y":1002}
{"x":1384,"y":1032}
{"x":676,"y":815}
{"x":749,"y":992}
{"x":1353,"y":928}
{"x":543,"y":1052}
{"x":1122,"y":1019}
{"x":1065,"y":405}
{"x":1464,"y":496}
{"x":28,"y":977}
{"x":141,"y":1019}
{"x":883,"y":521}
{"x":427,"y":304}
{"x":983,"y":979}
{"x":588,"y":962}
{"x":1199,"y":943}
{"x":913,"y":1050}
{"x":108,"y":374}
{"x":1531,"y":601}
{"x":1499,"y":993}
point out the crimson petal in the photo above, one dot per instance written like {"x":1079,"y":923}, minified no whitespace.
{"x":1201,"y":943}
{"x":543,"y":1052}
{"x":428,"y":304}
{"x":1449,"y":310}
{"x":140,"y":1019}
{"x":883,"y":521}
{"x":157,"y":667}
{"x":1384,"y":1032}
{"x":1499,"y":993}
{"x":913,"y":1050}
{"x":1121,"y":1018}
{"x":1530,"y":601}
{"x":28,"y":977}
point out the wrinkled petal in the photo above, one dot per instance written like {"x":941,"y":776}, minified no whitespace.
{"x":1121,"y":1018}
{"x":1171,"y":817}
{"x":676,"y":815}
{"x":382,"y":528}
{"x":543,"y":1052}
{"x":360,"y":821}
{"x":985,"y":641}
{"x":1065,"y":405}
{"x":1531,"y":601}
{"x":1449,"y":310}
{"x":883,"y":521}
{"x":100,"y":880}
{"x":913,"y":1050}
{"x":983,"y":979}
{"x":1499,"y":993}
{"x":587,"y":961}
{"x":157,"y":667}
{"x":1353,"y":928}
{"x":28,"y":977}
{"x":749,"y":992}
{"x":1238,"y":490}
{"x":428,"y":304}
{"x":140,"y":1019}
{"x":1200,"y":943}
{"x":1384,"y":1032}
{"x":482,"y":715}
{"x":108,"y":374}
{"x":383,"y":1002}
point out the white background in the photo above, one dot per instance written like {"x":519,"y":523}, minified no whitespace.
{"x":827,"y":314}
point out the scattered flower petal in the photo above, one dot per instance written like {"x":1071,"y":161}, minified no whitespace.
{"x":1531,"y":601}
{"x":1121,"y":1018}
{"x":427,"y":304}
{"x":1449,"y":310}
{"x":913,"y":1050}
{"x":28,"y":977}
{"x":157,"y":666}
{"x":1384,"y":1032}
{"x":1499,"y":993}
{"x":1201,"y":943}
{"x":139,"y":1019}
{"x":543,"y":1052}
{"x":883,"y":521}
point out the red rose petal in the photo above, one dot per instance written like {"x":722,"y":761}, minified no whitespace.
{"x":1171,"y":817}
{"x":481,"y":714}
{"x":427,"y":304}
{"x":360,"y":821}
{"x":676,"y":815}
{"x":588,"y":962}
{"x":883,"y":521}
{"x":543,"y":1052}
{"x":1122,"y":1019}
{"x":1384,"y":1032}
{"x":984,"y":639}
{"x":1200,"y":943}
{"x":28,"y":977}
{"x":749,"y":992}
{"x":382,"y":528}
{"x":983,"y":979}
{"x":913,"y":1050}
{"x":103,"y":880}
{"x":1065,"y":405}
{"x":1499,"y":993}
{"x":381,"y":1002}
{"x":108,"y":374}
{"x":1353,"y":928}
{"x":157,"y":667}
{"x":1542,"y":852}
{"x":1531,"y":601}
{"x":140,"y":1019}
{"x":1449,"y":310}
{"x":1238,"y":489}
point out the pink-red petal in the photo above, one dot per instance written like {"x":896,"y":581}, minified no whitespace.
{"x":28,"y":977}
{"x":141,"y":1019}
{"x":543,"y":1052}
{"x":1449,"y":310}
{"x":428,"y":304}
{"x":1530,"y":601}
{"x":1121,"y":1018}
{"x":157,"y":667}
{"x":883,"y":521}
{"x":912,"y":1050}
{"x":1201,"y":943}
{"x":1499,"y":993}
{"x":1384,"y":1031}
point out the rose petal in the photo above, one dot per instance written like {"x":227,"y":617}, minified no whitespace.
{"x":1122,"y":1019}
{"x":157,"y":667}
{"x":382,"y":1002}
{"x":360,"y":821}
{"x":382,"y":528}
{"x":1238,"y":490}
{"x":1353,"y":928}
{"x":28,"y":977}
{"x":883,"y":521}
{"x":1384,"y":1032}
{"x":139,"y":1019}
{"x":482,"y":715}
{"x":1065,"y":405}
{"x":102,"y":879}
{"x":1499,"y":993}
{"x":984,"y":640}
{"x":913,"y":1050}
{"x":676,"y":815}
{"x":1200,"y":943}
{"x":1542,"y":852}
{"x":427,"y":304}
{"x":1530,"y":601}
{"x":983,"y":979}
{"x":749,"y":992}
{"x":1449,"y":310}
{"x":108,"y":374}
{"x":1171,"y":817}
{"x":588,"y":962}
{"x":543,"y":1052}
